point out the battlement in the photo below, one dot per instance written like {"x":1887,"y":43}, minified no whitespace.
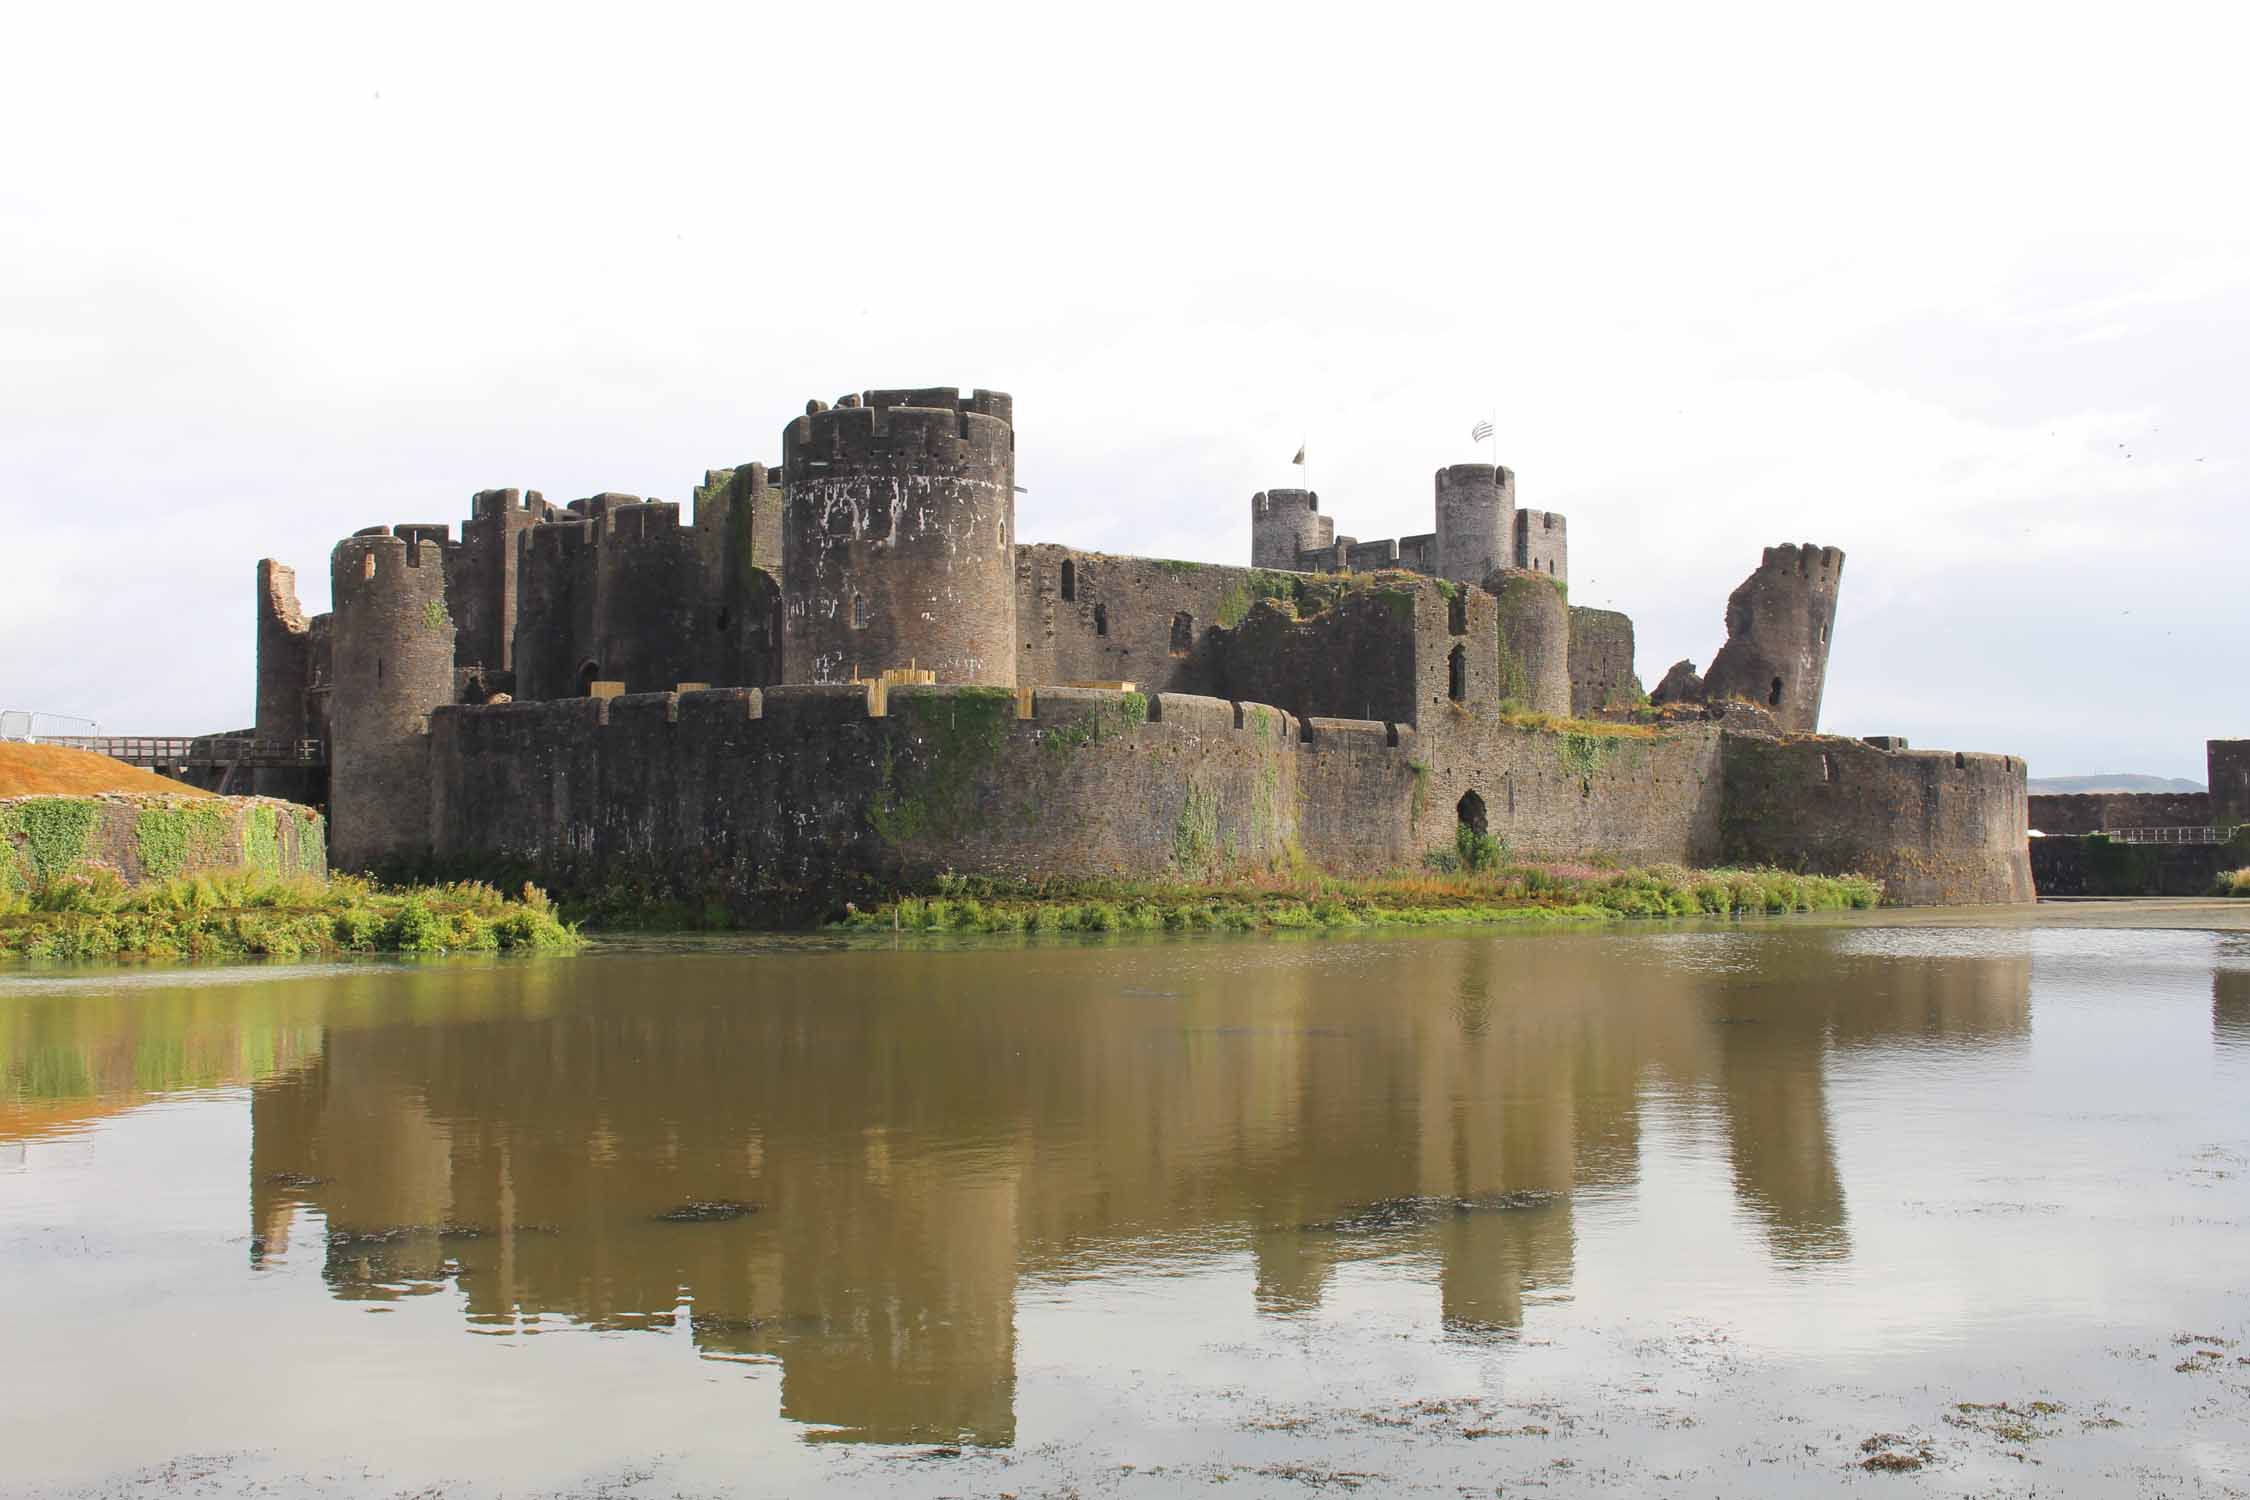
{"x":844,"y":438}
{"x":553,"y":541}
{"x":637,"y":523}
{"x":1822,"y":566}
{"x":379,"y":552}
{"x":491,"y":504}
{"x":1283,"y":502}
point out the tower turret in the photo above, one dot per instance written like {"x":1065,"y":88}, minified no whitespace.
{"x":1534,"y":640}
{"x":899,"y":537}
{"x":392,"y":653}
{"x":1476,"y":520}
{"x":1284,"y":523}
{"x":1778,"y":625}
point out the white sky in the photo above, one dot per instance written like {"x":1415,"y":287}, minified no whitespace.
{"x":1960,"y":289}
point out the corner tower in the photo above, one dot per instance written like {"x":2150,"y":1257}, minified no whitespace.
{"x":1284,"y":523}
{"x":1778,"y":627}
{"x":392,"y":645}
{"x":898,"y":544}
{"x":1476,"y":521}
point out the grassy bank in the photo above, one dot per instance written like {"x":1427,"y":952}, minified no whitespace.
{"x":1529,"y":893}
{"x":93,"y":914}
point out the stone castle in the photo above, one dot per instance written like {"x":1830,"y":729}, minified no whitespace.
{"x":848,"y":669}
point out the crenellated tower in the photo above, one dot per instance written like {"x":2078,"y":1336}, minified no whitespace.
{"x":1476,"y":520}
{"x":1284,"y":523}
{"x":392,"y":662}
{"x":1778,"y":626}
{"x":899,"y":537}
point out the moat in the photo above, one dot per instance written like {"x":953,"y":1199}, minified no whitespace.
{"x":1648,"y":1208}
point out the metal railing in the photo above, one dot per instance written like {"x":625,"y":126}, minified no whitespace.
{"x":198,"y":750}
{"x":2163,"y":835}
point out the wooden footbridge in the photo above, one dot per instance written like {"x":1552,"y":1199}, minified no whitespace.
{"x":221,"y":761}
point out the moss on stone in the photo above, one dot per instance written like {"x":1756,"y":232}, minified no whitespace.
{"x":961,"y":734}
{"x":49,"y":836}
{"x":1195,"y":834}
{"x":1245,"y":593}
{"x":171,"y":838}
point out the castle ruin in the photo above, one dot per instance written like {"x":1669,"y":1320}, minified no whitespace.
{"x":848,"y":667}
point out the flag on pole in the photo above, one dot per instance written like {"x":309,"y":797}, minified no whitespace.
{"x":1300,"y":458}
{"x":1480,"y":432}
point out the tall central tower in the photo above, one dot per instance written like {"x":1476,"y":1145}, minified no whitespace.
{"x":898,"y":545}
{"x":1476,"y":521}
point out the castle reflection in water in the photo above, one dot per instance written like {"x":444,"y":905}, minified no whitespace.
{"x":920,"y":1133}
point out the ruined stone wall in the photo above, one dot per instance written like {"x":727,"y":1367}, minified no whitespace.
{"x":796,"y":796}
{"x":1543,"y":543}
{"x":2227,"y":774}
{"x":1936,"y":827}
{"x":392,"y":648}
{"x":1601,"y":661}
{"x":1357,"y":659}
{"x":2093,"y":812}
{"x":285,"y":674}
{"x":899,"y":539}
{"x":1094,"y":617}
{"x":484,"y":595}
{"x":1652,"y":799}
{"x":156,"y":837}
{"x":1778,"y":626}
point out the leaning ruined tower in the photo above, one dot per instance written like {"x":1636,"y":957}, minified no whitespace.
{"x":1476,"y":521}
{"x":1778,"y":625}
{"x":898,"y":543}
{"x":392,"y":654}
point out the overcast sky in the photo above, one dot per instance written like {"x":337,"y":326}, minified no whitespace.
{"x":1961,"y":289}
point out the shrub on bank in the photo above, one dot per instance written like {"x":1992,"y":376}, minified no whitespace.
{"x":91,"y":913}
{"x":1518,"y":893}
{"x":2232,"y":883}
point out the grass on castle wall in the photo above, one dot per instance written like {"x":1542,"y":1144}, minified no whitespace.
{"x":91,"y":913}
{"x":1521,"y":893}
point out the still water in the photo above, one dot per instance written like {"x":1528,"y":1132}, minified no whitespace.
{"x":1660,"y":1209}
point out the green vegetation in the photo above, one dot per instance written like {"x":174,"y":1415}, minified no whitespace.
{"x":1100,"y":721}
{"x":91,"y":913}
{"x":43,"y":839}
{"x":1176,"y":567}
{"x":1298,"y":900}
{"x":174,"y":835}
{"x":1243,"y":595}
{"x":1195,"y":836}
{"x":962,"y":733}
{"x":2232,"y":883}
{"x":434,"y":616}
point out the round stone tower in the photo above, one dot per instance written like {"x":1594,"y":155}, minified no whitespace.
{"x":1778,"y":625}
{"x":898,"y":542}
{"x":1284,"y":523}
{"x":392,"y":662}
{"x":1534,"y":640}
{"x":1476,"y":521}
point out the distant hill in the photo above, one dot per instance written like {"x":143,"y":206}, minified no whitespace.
{"x":2119,"y":782}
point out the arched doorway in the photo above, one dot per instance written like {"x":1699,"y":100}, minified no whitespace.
{"x":588,"y":675}
{"x":1469,"y":812}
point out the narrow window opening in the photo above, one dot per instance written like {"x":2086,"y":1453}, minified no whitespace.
{"x":1070,"y":581}
{"x":378,"y":669}
{"x":1774,"y":697}
{"x":1457,"y":610}
{"x":367,"y":566}
{"x":722,"y":624}
{"x":1824,"y":634}
{"x":1960,"y":761}
{"x":1101,"y":619}
{"x":1827,"y":769}
{"x":859,"y":611}
{"x":1457,"y":674}
{"x":1183,"y":633}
